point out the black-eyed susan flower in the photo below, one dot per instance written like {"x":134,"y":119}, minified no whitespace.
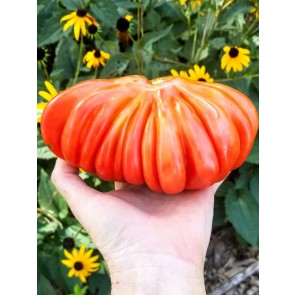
{"x":78,"y":19}
{"x":48,"y":96}
{"x":68,"y":243}
{"x":235,"y":58}
{"x":199,"y":74}
{"x":193,"y":3}
{"x":42,"y":56}
{"x":182,"y":74}
{"x":124,"y":27}
{"x":81,"y":263}
{"x":93,"y":31}
{"x":95,"y":57}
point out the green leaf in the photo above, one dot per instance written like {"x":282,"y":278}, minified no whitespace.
{"x":219,"y":217}
{"x":254,"y":187}
{"x":99,"y":284}
{"x":115,"y":66}
{"x":105,"y":11}
{"x":44,"y":229}
{"x":49,"y":264}
{"x":44,"y":286}
{"x":150,"y":38}
{"x":244,"y":176}
{"x":254,"y":154}
{"x":78,"y":290}
{"x":49,"y":27}
{"x":66,"y":58}
{"x":72,"y":4}
{"x":218,"y":42}
{"x":43,"y":152}
{"x":235,"y":10}
{"x":81,"y":238}
{"x":223,"y":188}
{"x":49,"y":198}
{"x":242,"y":85}
{"x":243,"y":212}
{"x":125,"y":4}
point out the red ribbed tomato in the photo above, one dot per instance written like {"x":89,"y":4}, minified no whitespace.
{"x":169,"y":133}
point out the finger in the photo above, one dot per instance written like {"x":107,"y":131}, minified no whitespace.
{"x":74,"y":190}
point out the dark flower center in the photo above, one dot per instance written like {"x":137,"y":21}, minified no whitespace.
{"x":233,"y":52}
{"x":202,"y":79}
{"x":81,"y":12}
{"x":92,"y":29}
{"x":122,"y":24}
{"x":78,"y":265}
{"x":40,"y":53}
{"x":97,"y":53}
{"x":68,"y":243}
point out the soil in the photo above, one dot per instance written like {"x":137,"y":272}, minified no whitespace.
{"x":227,"y":260}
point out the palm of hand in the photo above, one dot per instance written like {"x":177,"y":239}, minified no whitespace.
{"x":133,"y":222}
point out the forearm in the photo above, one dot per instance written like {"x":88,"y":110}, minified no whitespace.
{"x":162,"y":277}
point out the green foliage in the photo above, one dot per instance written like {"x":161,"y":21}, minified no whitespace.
{"x":164,"y":35}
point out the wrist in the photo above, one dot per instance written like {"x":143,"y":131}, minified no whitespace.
{"x":157,"y":275}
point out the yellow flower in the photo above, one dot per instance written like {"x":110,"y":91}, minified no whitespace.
{"x":255,"y":9}
{"x":194,"y":3}
{"x":129,"y":17}
{"x":47,"y":96}
{"x":95,"y":57}
{"x":182,"y":74}
{"x":78,"y":19}
{"x":199,"y":74}
{"x":81,"y":263}
{"x":235,"y":57}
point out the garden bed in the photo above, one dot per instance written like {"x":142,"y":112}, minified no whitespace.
{"x":231,"y":268}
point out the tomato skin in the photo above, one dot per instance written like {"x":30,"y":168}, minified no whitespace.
{"x":169,"y":133}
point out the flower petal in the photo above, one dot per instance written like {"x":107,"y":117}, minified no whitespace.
{"x":226,"y":48}
{"x":174,"y":73}
{"x":68,"y":16}
{"x":51,"y":88}
{"x":244,"y":51}
{"x":71,"y":272}
{"x":83,"y":27}
{"x":88,"y":253}
{"x":41,"y":106}
{"x":67,"y":263}
{"x":105,"y":54}
{"x":69,"y":23}
{"x":128,"y":17}
{"x":45,"y":95}
{"x":82,"y":277}
{"x":92,"y":259}
{"x":68,"y":255}
{"x":77,"y":29}
{"x":82,"y":250}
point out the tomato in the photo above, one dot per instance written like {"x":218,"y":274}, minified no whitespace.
{"x":170,"y":133}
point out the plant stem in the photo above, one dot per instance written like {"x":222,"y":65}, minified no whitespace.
{"x":248,"y":31}
{"x":237,"y":78}
{"x":139,"y":36}
{"x":78,"y":232}
{"x":95,"y":73}
{"x":79,"y":61}
{"x":170,"y":61}
{"x":224,"y":4}
{"x":46,"y":73}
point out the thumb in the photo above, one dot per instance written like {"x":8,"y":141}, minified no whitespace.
{"x":73,"y":189}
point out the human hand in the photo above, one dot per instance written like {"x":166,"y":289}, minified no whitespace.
{"x":153,"y":243}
